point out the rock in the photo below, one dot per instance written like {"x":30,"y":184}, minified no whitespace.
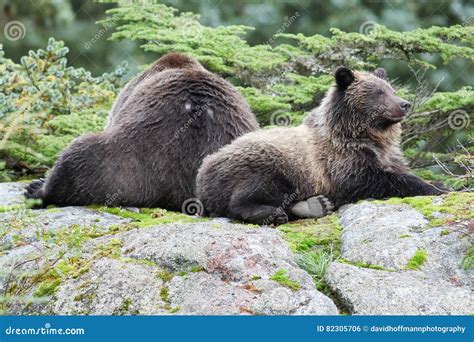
{"x":76,"y":260}
{"x":388,"y":237}
{"x":223,"y":269}
{"x":376,"y":292}
{"x":112,"y":287}
{"x":28,"y":225}
{"x":12,"y":193}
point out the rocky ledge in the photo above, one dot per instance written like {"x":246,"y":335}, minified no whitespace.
{"x":410,"y":256}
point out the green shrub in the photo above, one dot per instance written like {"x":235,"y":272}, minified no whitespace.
{"x":44,"y":104}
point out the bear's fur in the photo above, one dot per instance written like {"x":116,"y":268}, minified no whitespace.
{"x":347,"y":149}
{"x":163,"y":124}
{"x":169,"y":61}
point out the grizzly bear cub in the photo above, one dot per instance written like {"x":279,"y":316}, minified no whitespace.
{"x":161,"y":127}
{"x":347,"y":150}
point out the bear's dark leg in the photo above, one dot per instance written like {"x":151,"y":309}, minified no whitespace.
{"x":260,"y":214}
{"x":371,"y":182}
{"x":262,"y":200}
{"x":76,"y":178}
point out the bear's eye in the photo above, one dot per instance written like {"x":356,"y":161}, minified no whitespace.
{"x":379,"y":92}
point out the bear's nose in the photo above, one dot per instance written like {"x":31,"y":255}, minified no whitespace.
{"x":405,"y":106}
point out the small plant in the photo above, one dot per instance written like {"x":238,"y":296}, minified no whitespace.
{"x":468,"y":260}
{"x":316,"y":264}
{"x":281,"y":278}
{"x":417,"y":260}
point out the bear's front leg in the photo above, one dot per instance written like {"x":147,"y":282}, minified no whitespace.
{"x":372,"y":182}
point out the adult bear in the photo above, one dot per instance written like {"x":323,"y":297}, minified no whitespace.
{"x":346,"y":150}
{"x":163,"y":124}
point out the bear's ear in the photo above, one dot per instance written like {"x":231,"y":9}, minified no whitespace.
{"x":381,"y":73}
{"x":344,"y":77}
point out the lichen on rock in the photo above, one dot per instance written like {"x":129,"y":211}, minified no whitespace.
{"x":374,"y":257}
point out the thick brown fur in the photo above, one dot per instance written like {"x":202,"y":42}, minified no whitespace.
{"x":347,"y":149}
{"x":164,"y":123}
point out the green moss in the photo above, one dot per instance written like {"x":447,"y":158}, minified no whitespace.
{"x":197,"y":268}
{"x":281,"y":278}
{"x":139,"y":261}
{"x":111,"y":249}
{"x":164,"y":275}
{"x":255,"y":277}
{"x":468,"y":259}
{"x":404,"y":236}
{"x":174,"y":310}
{"x":164,"y":294}
{"x":456,"y":206}
{"x":445,"y":232}
{"x":150,"y":216}
{"x":417,"y":260}
{"x":47,"y":288}
{"x":313,"y":234}
{"x":365,"y":265}
{"x":125,"y":308}
{"x":47,"y":283}
{"x":88,"y":297}
{"x":75,"y":236}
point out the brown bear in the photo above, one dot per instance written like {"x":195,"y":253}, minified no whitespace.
{"x":347,"y":149}
{"x":163,"y":125}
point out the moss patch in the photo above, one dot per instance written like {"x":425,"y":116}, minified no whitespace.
{"x":313,"y":234}
{"x":468,"y":260}
{"x":164,"y":294}
{"x":456,"y":206}
{"x":281,"y":278}
{"x":165,"y":275}
{"x":150,"y":216}
{"x":366,"y":265}
{"x":111,"y":249}
{"x":417,"y":260}
{"x":47,"y":283}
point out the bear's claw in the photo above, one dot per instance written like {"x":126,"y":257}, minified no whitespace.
{"x":33,"y":188}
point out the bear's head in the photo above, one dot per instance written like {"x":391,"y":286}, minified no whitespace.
{"x":364,"y":105}
{"x":176,"y":60}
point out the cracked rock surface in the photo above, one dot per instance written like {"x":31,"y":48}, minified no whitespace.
{"x":207,"y":267}
{"x":378,"y":276}
{"x":91,"y":261}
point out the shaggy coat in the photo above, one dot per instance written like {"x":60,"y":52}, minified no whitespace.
{"x":163,"y":124}
{"x":347,"y":150}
